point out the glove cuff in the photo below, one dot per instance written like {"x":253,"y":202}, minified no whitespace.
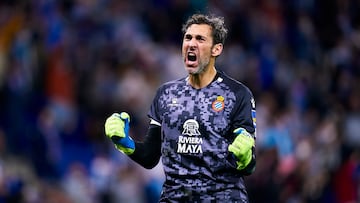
{"x":127,"y":151}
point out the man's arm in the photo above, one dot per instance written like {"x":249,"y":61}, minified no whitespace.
{"x":148,"y":152}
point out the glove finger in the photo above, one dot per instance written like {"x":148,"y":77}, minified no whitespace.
{"x":244,"y":136}
{"x":115,"y":117}
{"x":115,"y":122}
{"x":248,"y":140}
{"x":125,"y":117}
{"x":237,"y":145}
{"x":113,"y":126}
{"x":235,"y":150}
{"x":112,"y":130}
{"x":241,"y":144}
{"x":117,"y":129}
{"x":244,"y":144}
{"x":112,"y":120}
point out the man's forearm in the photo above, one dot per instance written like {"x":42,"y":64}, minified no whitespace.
{"x":148,"y":152}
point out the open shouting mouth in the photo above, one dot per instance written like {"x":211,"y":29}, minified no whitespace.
{"x":191,"y":59}
{"x":191,"y":56}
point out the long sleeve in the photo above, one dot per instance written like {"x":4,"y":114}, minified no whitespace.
{"x":148,"y":152}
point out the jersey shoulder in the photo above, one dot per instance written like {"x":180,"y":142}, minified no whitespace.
{"x":170,"y":86}
{"x":173,"y":83}
{"x":235,"y":85}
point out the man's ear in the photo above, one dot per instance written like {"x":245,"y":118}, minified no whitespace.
{"x":217,"y":49}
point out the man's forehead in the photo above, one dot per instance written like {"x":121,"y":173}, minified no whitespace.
{"x":199,"y":29}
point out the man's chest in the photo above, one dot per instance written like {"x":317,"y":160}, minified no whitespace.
{"x":207,"y":110}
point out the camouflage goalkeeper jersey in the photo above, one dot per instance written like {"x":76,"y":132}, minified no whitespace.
{"x":196,"y":130}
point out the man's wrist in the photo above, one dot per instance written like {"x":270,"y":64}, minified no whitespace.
{"x":127,"y":151}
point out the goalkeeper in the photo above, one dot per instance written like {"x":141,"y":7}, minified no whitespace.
{"x":202,"y":126}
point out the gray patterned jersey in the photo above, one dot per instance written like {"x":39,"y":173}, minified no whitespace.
{"x":197,"y":127}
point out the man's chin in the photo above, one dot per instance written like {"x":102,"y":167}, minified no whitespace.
{"x":192,"y":70}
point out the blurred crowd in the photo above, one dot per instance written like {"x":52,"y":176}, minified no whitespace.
{"x":66,"y":65}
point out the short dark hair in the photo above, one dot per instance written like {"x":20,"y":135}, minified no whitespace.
{"x":219,"y":31}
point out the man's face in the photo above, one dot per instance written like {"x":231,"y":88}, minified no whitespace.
{"x":196,"y":48}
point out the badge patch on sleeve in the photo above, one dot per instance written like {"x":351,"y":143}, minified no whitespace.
{"x":253,"y":115}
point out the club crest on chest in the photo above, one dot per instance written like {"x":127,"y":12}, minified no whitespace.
{"x":218,"y":104}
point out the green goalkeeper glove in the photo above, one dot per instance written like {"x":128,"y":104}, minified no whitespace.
{"x":117,"y":129}
{"x":241,"y":147}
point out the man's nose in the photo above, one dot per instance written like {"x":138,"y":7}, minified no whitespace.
{"x":192,"y":43}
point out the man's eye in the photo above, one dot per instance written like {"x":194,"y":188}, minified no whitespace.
{"x":200,"y":38}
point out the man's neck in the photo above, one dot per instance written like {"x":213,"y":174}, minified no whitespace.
{"x":203,"y":79}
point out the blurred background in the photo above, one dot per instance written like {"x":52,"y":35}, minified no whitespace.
{"x":65,"y":66}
